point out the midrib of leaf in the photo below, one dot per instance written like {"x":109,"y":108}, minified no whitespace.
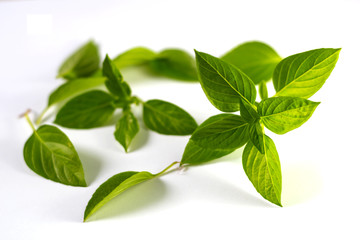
{"x":160,"y":112}
{"x":228,"y":130}
{"x":95,"y":107}
{"x":293,"y":109}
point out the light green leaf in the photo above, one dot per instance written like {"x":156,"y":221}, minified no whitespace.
{"x":167,"y":118}
{"x":50,"y":153}
{"x":303,"y":74}
{"x":263,"y":90}
{"x":224,"y":84}
{"x":133,"y":57}
{"x":264,"y":170}
{"x":283,"y":114}
{"x":257,"y":136}
{"x":126,"y":129}
{"x":82,"y":63}
{"x":89,"y":110}
{"x":223,"y":131}
{"x":256,"y":59}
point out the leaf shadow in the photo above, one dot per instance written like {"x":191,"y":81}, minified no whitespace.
{"x":91,"y":162}
{"x":140,"y":139}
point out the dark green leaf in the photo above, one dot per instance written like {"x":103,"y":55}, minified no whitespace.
{"x":89,"y":110}
{"x":256,"y":59}
{"x":264,"y":170}
{"x":224,"y":84}
{"x":167,"y":118}
{"x":126,"y":129}
{"x":82,"y":63}
{"x":303,"y":74}
{"x":263,"y":90}
{"x":50,"y":153}
{"x":248,"y":112}
{"x":135,"y":56}
{"x":257,"y":136}
{"x":283,"y":114}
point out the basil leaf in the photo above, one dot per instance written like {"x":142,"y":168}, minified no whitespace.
{"x":50,"y":153}
{"x":224,"y":84}
{"x":89,"y":110}
{"x":283,"y":114}
{"x":134,"y":56}
{"x":257,"y":136}
{"x":263,"y":170}
{"x":82,"y":63}
{"x":303,"y":74}
{"x":115,"y":82}
{"x":223,"y":131}
{"x":126,"y":129}
{"x":248,"y":112}
{"x":256,"y":59}
{"x":167,"y":118}
{"x":174,"y":63}
{"x":113,"y":187}
{"x":263,"y":90}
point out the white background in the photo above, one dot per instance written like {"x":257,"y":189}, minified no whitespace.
{"x":320,"y":160}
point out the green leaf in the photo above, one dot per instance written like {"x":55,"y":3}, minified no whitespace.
{"x":224,"y":84}
{"x":167,"y":118}
{"x":113,"y":187}
{"x":73,"y":88}
{"x":134,"y":56}
{"x":82,"y":63}
{"x":89,"y":110}
{"x":303,"y":74}
{"x":263,"y":90}
{"x":115,"y":82}
{"x":257,"y":136}
{"x":50,"y":153}
{"x":283,"y":114}
{"x":126,"y":129}
{"x":223,"y":131}
{"x":263,"y":170}
{"x":175,"y":63}
{"x":256,"y":59}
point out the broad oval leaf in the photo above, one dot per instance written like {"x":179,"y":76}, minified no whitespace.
{"x":126,"y":129}
{"x":167,"y":118}
{"x":256,"y":59}
{"x":283,"y":114}
{"x":263,"y":170}
{"x":50,"y":153}
{"x":89,"y":110}
{"x":303,"y":74}
{"x":133,"y":57}
{"x":82,"y":63}
{"x":224,"y":84}
{"x":113,"y":187}
{"x":223,"y":131}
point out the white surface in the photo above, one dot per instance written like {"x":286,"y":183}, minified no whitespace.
{"x":320,"y":161}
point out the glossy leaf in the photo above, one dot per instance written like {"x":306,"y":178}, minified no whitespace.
{"x":126,"y":129}
{"x":82,"y":63}
{"x":223,"y":131}
{"x":167,"y":118}
{"x":224,"y":84}
{"x":89,"y":110}
{"x":133,"y":57}
{"x":50,"y":153}
{"x":263,"y":170}
{"x":303,"y":74}
{"x":263,"y":90}
{"x":256,"y":59}
{"x":283,"y":114}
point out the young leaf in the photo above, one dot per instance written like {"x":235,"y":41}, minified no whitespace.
{"x":126,"y":129}
{"x":223,"y":131}
{"x":84,"y":62}
{"x":263,"y":170}
{"x":50,"y":153}
{"x":89,"y":110}
{"x":224,"y":84}
{"x":303,"y":74}
{"x":167,"y":118}
{"x":134,"y":56}
{"x":263,"y":90}
{"x":257,"y":136}
{"x":248,"y":112}
{"x":175,"y":63}
{"x":283,"y":114}
{"x":256,"y":59}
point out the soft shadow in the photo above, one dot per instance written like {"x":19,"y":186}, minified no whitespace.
{"x":140,"y":139}
{"x":91,"y":162}
{"x":135,"y":199}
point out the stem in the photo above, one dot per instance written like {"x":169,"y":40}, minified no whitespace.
{"x":38,"y":121}
{"x":167,"y":168}
{"x":29,"y":121}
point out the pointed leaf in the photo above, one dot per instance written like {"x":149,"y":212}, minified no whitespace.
{"x":257,"y":136}
{"x":133,"y":57}
{"x":126,"y":129}
{"x":263,"y":90}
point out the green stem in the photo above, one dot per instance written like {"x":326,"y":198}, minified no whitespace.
{"x":167,"y":168}
{"x":29,"y":121}
{"x":38,"y":121}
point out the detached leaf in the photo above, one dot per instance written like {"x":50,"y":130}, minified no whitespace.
{"x":82,"y":63}
{"x":126,"y":129}
{"x":89,"y":110}
{"x":224,"y":84}
{"x":256,"y":59}
{"x":167,"y":118}
{"x":50,"y":153}
{"x":303,"y":74}
{"x":283,"y":114}
{"x":264,"y":170}
{"x":175,"y":63}
{"x":135,"y":56}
